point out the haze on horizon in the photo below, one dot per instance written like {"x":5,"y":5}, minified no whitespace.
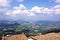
{"x":30,"y":10}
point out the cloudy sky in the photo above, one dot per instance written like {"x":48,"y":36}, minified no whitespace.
{"x":30,"y":10}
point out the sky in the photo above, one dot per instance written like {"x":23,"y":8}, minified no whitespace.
{"x":30,"y":10}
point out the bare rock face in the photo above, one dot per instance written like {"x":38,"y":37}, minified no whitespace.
{"x":50,"y":36}
{"x":15,"y":37}
{"x":30,"y":39}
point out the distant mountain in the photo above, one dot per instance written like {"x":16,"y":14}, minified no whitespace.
{"x":47,"y":22}
{"x":23,"y":21}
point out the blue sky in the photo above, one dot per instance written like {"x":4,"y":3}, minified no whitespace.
{"x":30,"y":10}
{"x":31,"y":3}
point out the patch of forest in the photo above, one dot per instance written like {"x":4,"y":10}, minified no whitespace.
{"x":30,"y":29}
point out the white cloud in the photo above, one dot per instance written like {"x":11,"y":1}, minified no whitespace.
{"x":31,"y":14}
{"x":36,"y":9}
{"x":57,"y":9}
{"x":16,"y":12}
{"x":47,"y":11}
{"x":57,"y":1}
{"x":4,"y":3}
{"x":20,"y":0}
{"x":22,"y":10}
{"x":21,"y":7}
{"x":35,"y":12}
{"x":41,"y":10}
{"x":25,"y":11}
{"x":57,"y":6}
{"x":7,"y":13}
